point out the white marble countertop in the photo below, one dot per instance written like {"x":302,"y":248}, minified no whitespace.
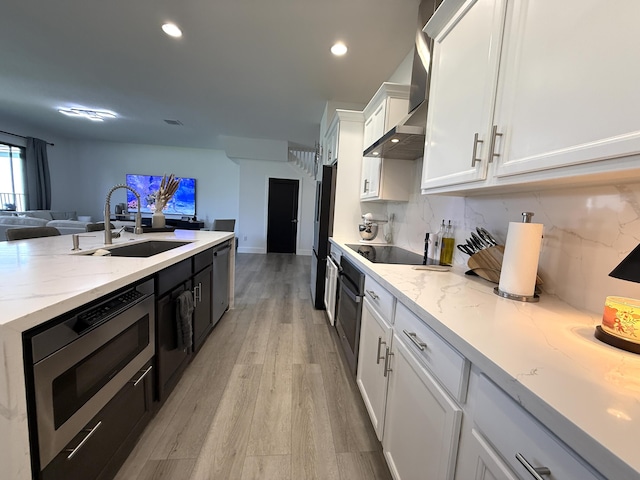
{"x":41,"y":279}
{"x":543,"y":354}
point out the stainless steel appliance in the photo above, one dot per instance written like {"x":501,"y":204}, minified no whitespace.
{"x":405,"y":141}
{"x":82,"y":360}
{"x":349,"y":310}
{"x":220,"y":280}
{"x":323,"y":229}
{"x":330,"y":288}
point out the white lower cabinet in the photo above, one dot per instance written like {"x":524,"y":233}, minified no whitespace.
{"x":482,"y":462}
{"x":375,"y":339}
{"x":422,"y":422}
{"x":501,"y":441}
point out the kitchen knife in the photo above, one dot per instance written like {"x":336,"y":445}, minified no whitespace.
{"x":486,"y":236}
{"x":466,"y":249}
{"x":481,"y":244}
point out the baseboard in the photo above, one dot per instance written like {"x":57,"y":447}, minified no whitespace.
{"x":263,"y":251}
{"x":251,"y":250}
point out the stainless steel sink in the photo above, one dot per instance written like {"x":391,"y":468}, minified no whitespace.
{"x":144,"y":249}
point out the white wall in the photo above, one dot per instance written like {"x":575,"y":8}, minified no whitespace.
{"x":98,"y":166}
{"x":254,"y":181}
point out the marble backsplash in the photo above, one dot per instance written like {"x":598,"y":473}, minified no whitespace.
{"x":587,"y":232}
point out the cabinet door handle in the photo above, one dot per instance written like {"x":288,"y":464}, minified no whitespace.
{"x":474,"y":156}
{"x":492,"y":143}
{"x":144,"y":374}
{"x":373,"y":294}
{"x":84,"y":440}
{"x":415,"y":340}
{"x":387,"y":354}
{"x":365,"y":186}
{"x":197,"y":293}
{"x":378,"y":357}
{"x":535,"y":472}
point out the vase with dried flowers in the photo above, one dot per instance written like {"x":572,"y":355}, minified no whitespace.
{"x":168,"y":187}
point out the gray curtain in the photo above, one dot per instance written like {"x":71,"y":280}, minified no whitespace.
{"x":37,"y":175}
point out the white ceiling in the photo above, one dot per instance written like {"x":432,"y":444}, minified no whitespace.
{"x":246,"y":68}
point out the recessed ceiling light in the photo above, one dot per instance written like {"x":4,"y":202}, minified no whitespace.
{"x":375,"y":153}
{"x":339,"y":49}
{"x":394,"y":140}
{"x":172,"y":30}
{"x":90,"y":114}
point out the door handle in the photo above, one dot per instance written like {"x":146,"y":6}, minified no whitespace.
{"x":295,"y":220}
{"x":492,"y":143}
{"x":197,"y":293}
{"x":474,"y":155}
{"x":378,"y":357}
{"x":387,"y":354}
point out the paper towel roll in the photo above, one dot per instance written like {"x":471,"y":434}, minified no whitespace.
{"x":520,"y":262}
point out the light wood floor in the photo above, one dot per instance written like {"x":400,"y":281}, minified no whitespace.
{"x":267,"y":397}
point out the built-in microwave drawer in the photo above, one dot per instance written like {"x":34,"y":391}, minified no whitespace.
{"x":105,"y":442}
{"x":521,"y":440}
{"x":445,"y":362}
{"x":383,"y":301}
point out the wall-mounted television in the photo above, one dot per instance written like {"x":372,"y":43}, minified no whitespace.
{"x":182,"y":203}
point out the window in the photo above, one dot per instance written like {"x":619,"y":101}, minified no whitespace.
{"x":12,"y":184}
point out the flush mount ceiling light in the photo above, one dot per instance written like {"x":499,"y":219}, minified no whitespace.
{"x":172,"y":30}
{"x":339,"y":49}
{"x":94,"y":115}
{"x":394,"y":140}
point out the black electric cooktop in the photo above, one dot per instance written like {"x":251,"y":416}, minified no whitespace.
{"x":387,"y":254}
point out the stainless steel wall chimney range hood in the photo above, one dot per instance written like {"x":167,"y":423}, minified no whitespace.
{"x":405,"y":141}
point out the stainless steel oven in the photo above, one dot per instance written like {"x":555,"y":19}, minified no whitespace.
{"x":82,"y":360}
{"x":349,"y":310}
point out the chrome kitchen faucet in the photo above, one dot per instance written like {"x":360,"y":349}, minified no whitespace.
{"x":107,"y":214}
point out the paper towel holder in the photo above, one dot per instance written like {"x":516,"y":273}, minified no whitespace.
{"x":521,"y":298}
{"x":526,"y":218}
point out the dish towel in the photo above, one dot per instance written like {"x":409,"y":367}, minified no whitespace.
{"x":184,"y":320}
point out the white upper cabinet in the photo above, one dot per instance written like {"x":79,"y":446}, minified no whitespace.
{"x":465,"y":71}
{"x":552,"y":96}
{"x":387,"y":107}
{"x":568,"y":85}
{"x":383,"y":178}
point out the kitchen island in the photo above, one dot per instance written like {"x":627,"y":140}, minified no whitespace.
{"x":543,"y":355}
{"x":42,"y":279}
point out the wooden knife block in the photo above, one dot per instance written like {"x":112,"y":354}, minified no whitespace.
{"x":487,"y":264}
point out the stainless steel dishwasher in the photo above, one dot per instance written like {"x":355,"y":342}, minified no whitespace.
{"x":220,"y":279}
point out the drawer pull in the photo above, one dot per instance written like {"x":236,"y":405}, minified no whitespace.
{"x":144,"y":374}
{"x":474,"y":157}
{"x":84,"y":440}
{"x":416,"y":341}
{"x":535,"y":472}
{"x":373,"y":294}
{"x":387,"y":354}
{"x":378,"y":357}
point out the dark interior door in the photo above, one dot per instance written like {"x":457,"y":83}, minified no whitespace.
{"x":282,"y":226}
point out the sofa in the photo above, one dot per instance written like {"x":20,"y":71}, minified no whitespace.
{"x":64,"y":221}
